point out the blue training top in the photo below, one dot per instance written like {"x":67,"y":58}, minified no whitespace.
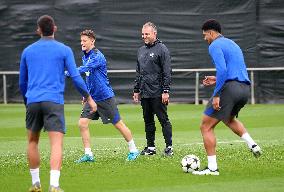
{"x":42,"y":71}
{"x":229,"y":61}
{"x":95,"y":68}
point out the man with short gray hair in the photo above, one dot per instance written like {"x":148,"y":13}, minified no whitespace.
{"x":152,"y":86}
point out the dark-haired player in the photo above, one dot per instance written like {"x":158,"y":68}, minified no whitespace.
{"x":232,"y":88}
{"x":42,"y":83}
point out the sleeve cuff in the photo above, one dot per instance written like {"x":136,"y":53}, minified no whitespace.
{"x":166,"y":91}
{"x":136,"y":91}
{"x":217,"y":94}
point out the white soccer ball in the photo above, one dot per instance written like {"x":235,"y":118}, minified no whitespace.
{"x":190,"y":163}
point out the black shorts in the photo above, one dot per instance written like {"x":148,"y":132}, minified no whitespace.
{"x":45,"y":114}
{"x":234,"y":95}
{"x":107,"y":110}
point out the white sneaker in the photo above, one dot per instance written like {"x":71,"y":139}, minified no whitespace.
{"x":256,"y":150}
{"x":206,"y":171}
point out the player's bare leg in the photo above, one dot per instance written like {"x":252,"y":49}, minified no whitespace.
{"x":34,"y":159}
{"x":56,"y":146}
{"x":207,"y":130}
{"x":124,"y":130}
{"x":85,"y":134}
{"x":126,"y":133}
{"x":32,"y":150}
{"x":238,"y":128}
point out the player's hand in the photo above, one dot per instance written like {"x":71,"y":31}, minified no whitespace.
{"x":92,"y":104}
{"x":216,"y":103}
{"x":209,"y":80}
{"x":136,"y":97}
{"x":83,"y":101}
{"x":166,"y":98}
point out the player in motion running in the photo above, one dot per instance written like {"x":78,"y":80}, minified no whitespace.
{"x":95,"y":68}
{"x":231,"y":93}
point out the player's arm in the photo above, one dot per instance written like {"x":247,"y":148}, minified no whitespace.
{"x":91,"y":63}
{"x":77,"y":79}
{"x":166,"y":74}
{"x":82,"y":88}
{"x":136,"y":90}
{"x":166,"y":69}
{"x":23,"y":78}
{"x":74,"y":74}
{"x":221,"y":70}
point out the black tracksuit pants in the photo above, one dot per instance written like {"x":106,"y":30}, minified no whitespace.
{"x":151,"y":107}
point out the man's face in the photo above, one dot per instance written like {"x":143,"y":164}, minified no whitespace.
{"x":149,"y":36}
{"x":87,"y":43}
{"x":208,"y":36}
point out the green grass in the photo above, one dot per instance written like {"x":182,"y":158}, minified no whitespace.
{"x":239,"y":170}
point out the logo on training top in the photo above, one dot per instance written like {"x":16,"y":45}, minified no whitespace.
{"x":87,"y":73}
{"x":151,"y":54}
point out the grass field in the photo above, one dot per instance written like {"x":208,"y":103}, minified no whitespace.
{"x":239,"y":170}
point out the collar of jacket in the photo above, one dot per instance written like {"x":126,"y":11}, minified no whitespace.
{"x":153,"y":44}
{"x":94,"y":50}
{"x":89,"y":53}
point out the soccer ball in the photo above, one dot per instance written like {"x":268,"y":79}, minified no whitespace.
{"x":190,"y":163}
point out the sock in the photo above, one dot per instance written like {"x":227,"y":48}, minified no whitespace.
{"x":152,"y":148}
{"x":247,"y":138}
{"x":35,"y":175}
{"x":54,"y":178}
{"x":212,"y":162}
{"x":132,"y":146}
{"x":88,"y":151}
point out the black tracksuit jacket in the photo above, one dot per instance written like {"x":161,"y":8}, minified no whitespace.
{"x":153,"y":70}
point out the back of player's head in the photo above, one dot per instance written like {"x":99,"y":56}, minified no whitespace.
{"x":89,"y":33}
{"x":150,"y":24}
{"x":211,"y":24}
{"x":46,"y":24}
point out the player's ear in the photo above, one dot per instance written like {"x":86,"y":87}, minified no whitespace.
{"x":54,"y":28}
{"x":210,"y":32}
{"x":38,"y":31}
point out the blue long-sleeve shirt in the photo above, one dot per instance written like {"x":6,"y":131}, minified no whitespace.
{"x":95,"y":68}
{"x":229,"y":61}
{"x":42,"y":71}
